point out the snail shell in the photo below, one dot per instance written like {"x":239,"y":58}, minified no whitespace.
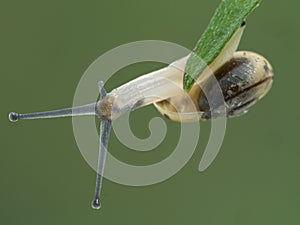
{"x":243,"y":80}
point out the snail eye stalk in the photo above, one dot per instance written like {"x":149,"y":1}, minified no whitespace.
{"x":84,"y":110}
{"x":105,"y":127}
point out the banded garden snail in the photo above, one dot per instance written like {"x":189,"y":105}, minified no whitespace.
{"x":243,"y":78}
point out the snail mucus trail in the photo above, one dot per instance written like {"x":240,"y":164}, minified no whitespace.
{"x":244,"y":78}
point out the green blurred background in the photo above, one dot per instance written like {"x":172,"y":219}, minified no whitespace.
{"x":45,"y":48}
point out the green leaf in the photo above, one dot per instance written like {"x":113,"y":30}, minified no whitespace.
{"x":226,"y":21}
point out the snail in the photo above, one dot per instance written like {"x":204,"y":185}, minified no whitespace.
{"x":242,"y":77}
